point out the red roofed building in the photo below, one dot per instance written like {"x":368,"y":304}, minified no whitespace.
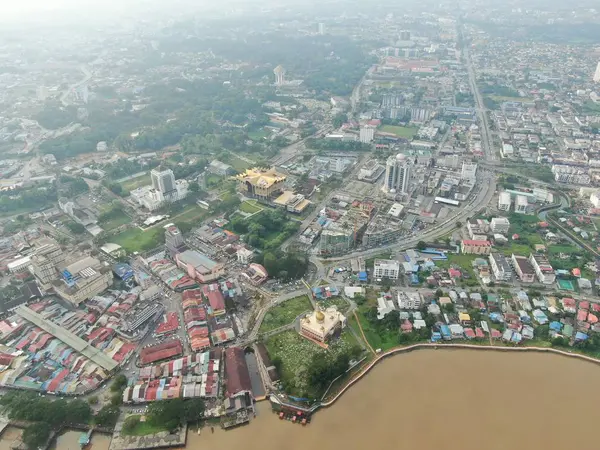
{"x":160,"y":352}
{"x":237,"y":377}
{"x":169,"y":325}
{"x":216,"y":301}
{"x":582,"y":315}
{"x":475,"y":247}
{"x":479,"y":333}
{"x":469,"y":333}
{"x":495,"y":333}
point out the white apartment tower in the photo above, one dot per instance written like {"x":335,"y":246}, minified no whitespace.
{"x":597,"y":74}
{"x":321,"y":28}
{"x":279,"y":72}
{"x":367,"y":134}
{"x":397,"y":175}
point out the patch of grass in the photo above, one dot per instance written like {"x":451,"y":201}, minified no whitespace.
{"x":384,"y":341}
{"x":136,"y":240}
{"x":338,"y":302}
{"x":250,"y":207}
{"x":285,"y":313}
{"x":143,"y":429}
{"x":237,"y":163}
{"x":501,"y":98}
{"x":192,"y":213}
{"x":296,"y":353}
{"x":137,"y":182}
{"x":257,"y":135}
{"x":517,"y":249}
{"x":567,"y":249}
{"x":116,"y":222}
{"x":403,"y":132}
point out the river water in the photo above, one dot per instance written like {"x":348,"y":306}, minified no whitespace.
{"x":444,"y":399}
{"x":67,"y":440}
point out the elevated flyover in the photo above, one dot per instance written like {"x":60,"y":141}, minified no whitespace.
{"x":93,"y":354}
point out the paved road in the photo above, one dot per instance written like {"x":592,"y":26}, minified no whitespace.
{"x":87,"y":77}
{"x":486,"y":136}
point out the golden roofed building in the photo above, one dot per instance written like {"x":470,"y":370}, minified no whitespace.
{"x":320,"y":325}
{"x":260,"y":183}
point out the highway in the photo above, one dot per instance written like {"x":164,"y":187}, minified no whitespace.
{"x":486,"y":138}
{"x":87,"y":77}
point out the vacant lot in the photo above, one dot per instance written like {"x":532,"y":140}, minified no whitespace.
{"x":285,"y":313}
{"x":403,"y":132}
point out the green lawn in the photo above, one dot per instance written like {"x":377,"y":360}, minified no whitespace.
{"x":403,"y":132}
{"x":238,"y":164}
{"x":517,"y":249}
{"x":136,"y":240}
{"x":296,"y":353}
{"x":285,"y":313}
{"x":377,"y":340}
{"x":143,"y":429}
{"x":257,"y":135}
{"x":191,"y":214}
{"x":338,"y":302}
{"x":567,"y":249}
{"x":134,"y":183}
{"x":116,"y":222}
{"x":250,"y":207}
{"x":500,"y":99}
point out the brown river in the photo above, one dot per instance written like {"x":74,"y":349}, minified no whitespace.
{"x":429,"y":400}
{"x":444,"y":399}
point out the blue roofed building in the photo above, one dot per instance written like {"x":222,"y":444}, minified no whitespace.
{"x":123,"y":270}
{"x":445,"y":331}
{"x":579,"y":336}
{"x":362,"y":276}
{"x":556,"y":326}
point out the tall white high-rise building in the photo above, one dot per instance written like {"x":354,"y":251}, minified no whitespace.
{"x":163,"y":180}
{"x":367,"y":134}
{"x":279,"y":72}
{"x":321,"y":28}
{"x":397,"y":174}
{"x":597,"y":74}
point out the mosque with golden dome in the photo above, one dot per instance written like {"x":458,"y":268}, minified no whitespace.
{"x":321,"y":325}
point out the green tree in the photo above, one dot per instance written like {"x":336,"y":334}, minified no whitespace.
{"x":36,"y":435}
{"x":107,"y":416}
{"x":130,"y":424}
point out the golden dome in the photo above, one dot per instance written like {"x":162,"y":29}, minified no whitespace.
{"x":320,"y":316}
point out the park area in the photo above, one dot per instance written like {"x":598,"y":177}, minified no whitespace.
{"x":402,"y":132}
{"x":285,"y":313}
{"x":137,"y":240}
{"x":294,"y":353}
